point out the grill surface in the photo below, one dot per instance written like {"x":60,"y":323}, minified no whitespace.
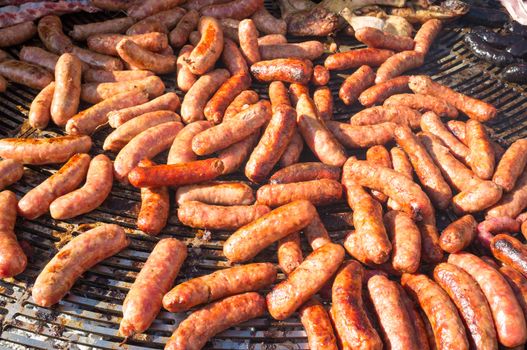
{"x":88,"y":317}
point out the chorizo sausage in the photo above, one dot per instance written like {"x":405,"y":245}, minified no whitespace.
{"x":278,"y":94}
{"x":357,"y":58}
{"x":11,"y":171}
{"x":378,"y":39}
{"x":398,"y":64}
{"x":241,"y":102}
{"x":382,"y":114}
{"x":215,"y":108}
{"x":361,"y":136}
{"x":380,"y":92}
{"x":481,"y":156}
{"x":219,"y":193}
{"x":426,"y":34}
{"x":423,"y":103}
{"x":406,"y":241}
{"x":185,"y":78}
{"x":208,"y":49}
{"x":356,"y":83}
{"x":510,"y":251}
{"x":290,"y":70}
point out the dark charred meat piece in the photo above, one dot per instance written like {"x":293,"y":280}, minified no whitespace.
{"x":486,"y":52}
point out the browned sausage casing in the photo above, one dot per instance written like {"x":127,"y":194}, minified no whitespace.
{"x":290,"y":70}
{"x":219,"y":193}
{"x":208,"y":50}
{"x":362,"y":136}
{"x":306,"y":280}
{"x":305,"y":172}
{"x":432,"y":124}
{"x":426,"y":34}
{"x":518,"y":284}
{"x":481,"y":157}
{"x":233,"y":59}
{"x":351,"y":322}
{"x":459,"y":234}
{"x":318,"y":192}
{"x":234,"y":155}
{"x":316,"y":233}
{"x":293,"y":151}
{"x":216,"y":106}
{"x":181,"y":150}
{"x":356,"y":83}
{"x":99,"y":92}
{"x":316,"y":322}
{"x":357,"y":58}
{"x":289,"y":253}
{"x":39,"y":112}
{"x":248,"y":241}
{"x":449,"y":332}
{"x":104,"y":76}
{"x":510,"y":251}
{"x":26,"y":74}
{"x":179,"y":35}
{"x":241,"y":102}
{"x":267,"y":23}
{"x":141,"y":58}
{"x":17,"y":34}
{"x":323,"y":100}
{"x":380,"y":92}
{"x":506,"y":311}
{"x":80,"y":254}
{"x":67,"y":91}
{"x":398,"y":64}
{"x":379,"y":155}
{"x":143,"y":301}
{"x":51,"y":34}
{"x":376,"y":38}
{"x":185,"y":78}
{"x":406,"y":241}
{"x":423,"y":103}
{"x":107,"y":43}
{"x":320,"y":76}
{"x":512,"y":203}
{"x":248,"y":38}
{"x":511,"y":165}
{"x":237,"y":9}
{"x":219,"y":284}
{"x":382,"y":114}
{"x":150,"y":7}
{"x":471,"y":304}
{"x":10,"y":172}
{"x":81,"y":32}
{"x":310,"y":50}
{"x":12,"y":258}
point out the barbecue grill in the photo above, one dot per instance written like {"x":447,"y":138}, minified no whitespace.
{"x":88,"y":317}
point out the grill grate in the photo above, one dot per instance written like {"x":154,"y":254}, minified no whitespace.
{"x":88,"y":317}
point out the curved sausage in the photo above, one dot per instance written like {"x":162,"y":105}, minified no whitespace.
{"x":316,"y":233}
{"x":26,"y":74}
{"x":219,"y":193}
{"x":398,"y":64}
{"x":406,"y":241}
{"x":66,"y":95}
{"x":316,"y":322}
{"x":357,"y":58}
{"x":248,"y":241}
{"x":293,"y":150}
{"x":241,"y":102}
{"x":510,"y":251}
{"x":267,"y":23}
{"x":511,"y":165}
{"x":50,"y":32}
{"x":150,"y":7}
{"x":89,"y":197}
{"x":318,"y":192}
{"x":423,"y":103}
{"x":458,"y":235}
{"x":518,"y":284}
{"x":290,"y":70}
{"x":216,"y":106}
{"x":185,"y":78}
{"x":248,"y":38}
{"x":481,"y":156}
{"x":107,"y":43}
{"x":104,"y":76}
{"x":296,"y":90}
{"x":432,"y":124}
{"x":378,"y":39}
{"x":12,"y":258}
{"x":10,"y":172}
{"x":179,"y":35}
{"x":155,"y":206}
{"x":81,"y":32}
{"x":234,"y":155}
{"x":305,"y":172}
{"x":426,"y":34}
{"x":356,"y":83}
{"x":320,"y":76}
{"x":208,"y":50}
{"x":72,"y":260}
{"x":513,"y":202}
{"x":141,"y":58}
{"x":39,"y":112}
{"x":143,"y":301}
{"x":380,"y":92}
{"x":181,"y":150}
{"x":361,"y":136}
{"x":289,"y":253}
{"x":379,"y":155}
{"x":382,"y":114}
{"x":97,"y":92}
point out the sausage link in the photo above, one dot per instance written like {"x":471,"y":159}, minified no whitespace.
{"x":17,"y":34}
{"x":518,"y":284}
{"x":272,"y":144}
{"x":97,"y":60}
{"x":426,"y":34}
{"x":305,"y":172}
{"x":351,"y":322}
{"x":150,"y":7}
{"x":296,"y":90}
{"x":10,"y":172}
{"x":379,"y":155}
{"x":398,"y":64}
{"x":148,"y":25}
{"x":13,"y":261}
{"x":475,"y":109}
{"x":267,"y":23}
{"x":81,"y":32}
{"x":104,"y":76}
{"x":401,"y":164}
{"x":66,"y":95}
{"x":290,"y":70}
{"x":234,"y":155}
{"x":97,"y":92}
{"x":491,"y":226}
{"x":423,"y":103}
{"x":506,"y":311}
{"x":155,"y":206}
{"x":181,"y":150}
{"x":216,"y":106}
{"x":310,"y":50}
{"x":76,"y":257}
{"x":289,"y":253}
{"x":293,"y":150}
{"x":316,"y":233}
{"x":406,"y":241}
{"x":89,"y":197}
{"x":511,"y":165}
{"x":318,"y":192}
{"x":510,"y":251}
{"x":237,"y":9}
{"x":185,"y":78}
{"x":107,"y":43}
{"x":192,"y":108}
{"x":39,"y":57}
{"x":471,"y":304}
{"x":248,"y":241}
{"x":306,"y":280}
{"x":457,"y":127}
{"x":233,"y":58}
{"x":473,"y":200}
{"x":458,"y":235}
{"x":209,"y":48}
{"x":272,"y":39}
{"x":356,"y":83}
{"x":357,"y":58}
{"x":481,"y":157}
{"x":317,"y":324}
{"x":50,"y":32}
{"x":449,"y":332}
{"x":432,"y":124}
{"x":382,"y":114}
{"x":241,"y":102}
{"x":417,"y":320}
{"x":219,"y":193}
{"x":143,"y":301}
{"x":248,"y":38}
{"x":44,"y":150}
{"x":194,"y":332}
{"x":513,"y":202}
{"x":26,"y":74}
{"x":167,"y":102}
{"x":380,"y":92}
{"x":176,"y":174}
{"x":179,"y":35}
{"x":141,"y":58}
{"x":320,"y":76}
{"x":362,"y":136}
{"x":39,"y":112}
{"x":317,"y":136}
{"x":378,"y":39}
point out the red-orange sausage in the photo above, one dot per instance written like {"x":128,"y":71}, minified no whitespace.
{"x":12,"y":258}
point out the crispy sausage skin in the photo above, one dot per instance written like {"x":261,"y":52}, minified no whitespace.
{"x":209,"y":48}
{"x":290,"y":70}
{"x":397,"y":327}
{"x":506,"y":311}
{"x":304,"y":281}
{"x":376,"y":38}
{"x":37,"y":201}
{"x":458,"y":235}
{"x":10,"y":172}
{"x":241,"y":102}
{"x":380,"y":92}
{"x":305,"y":172}
{"x":398,"y":64}
{"x":382,"y":114}
{"x":316,"y":322}
{"x":72,"y":260}
{"x":12,"y":258}
{"x":155,"y":206}
{"x":355,"y":84}
{"x":237,"y":9}
{"x":143,"y":301}
{"x":351,"y":322}
{"x":475,"y":109}
{"x":471,"y":304}
{"x":219,"y":193}
{"x":449,"y":332}
{"x":141,"y":58}
{"x":176,"y":174}
{"x":357,"y":58}
{"x":423,"y":103}
{"x":216,"y":217}
{"x":296,"y":90}
{"x":248,"y":241}
{"x":194,"y":332}
{"x":272,"y":144}
{"x":99,"y":180}
{"x":426,"y":34}
{"x":181,"y":150}
{"x":481,"y":156}
{"x":511,"y":165}
{"x":24,"y":73}
{"x":318,"y":192}
{"x":510,"y":251}
{"x":185,"y":78}
{"x":219,"y":284}
{"x":406,"y":241}
{"x":67,"y":90}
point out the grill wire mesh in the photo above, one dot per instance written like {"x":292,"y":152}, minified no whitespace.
{"x":88,"y":317}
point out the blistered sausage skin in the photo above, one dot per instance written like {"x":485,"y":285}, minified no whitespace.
{"x":318,"y":192}
{"x":406,"y":241}
{"x":181,"y":150}
{"x":379,"y":155}
{"x":481,"y":156}
{"x":24,"y":73}
{"x":208,"y":50}
{"x":237,"y":9}
{"x":176,"y":174}
{"x":426,"y":34}
{"x":356,"y":83}
{"x":143,"y":301}
{"x":458,"y":235}
{"x":44,"y":150}
{"x":141,"y":58}
{"x":185,"y":78}
{"x":219,"y":284}
{"x":380,"y":92}
{"x":289,"y":253}
{"x":316,"y":322}
{"x":423,"y":103}
{"x":510,"y":251}
{"x":12,"y":258}
{"x":506,"y":311}
{"x":511,"y":165}
{"x":351,"y":322}
{"x":306,"y":280}
{"x":290,"y":70}
{"x":99,"y":180}
{"x":248,"y":241}
{"x":72,"y":260}
{"x":471,"y":304}
{"x":383,"y":114}
{"x":305,"y":172}
{"x":194,"y":332}
{"x":430,"y":122}
{"x":216,"y":106}
{"x":240,"y":102}
{"x":449,"y":332}
{"x":357,"y":58}
{"x":475,"y":109}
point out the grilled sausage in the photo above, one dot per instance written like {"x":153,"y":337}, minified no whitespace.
{"x":12,"y":258}
{"x":219,"y":284}
{"x":50,"y":32}
{"x":293,"y":151}
{"x":97,"y":92}
{"x":143,"y":301}
{"x":97,"y":60}
{"x":378,"y":39}
{"x":475,"y":109}
{"x":44,"y":150}
{"x":423,"y":103}
{"x":241,"y":102}
{"x":380,"y":92}
{"x":39,"y":57}
{"x":471,"y":304}
{"x":361,"y":136}
{"x":481,"y":157}
{"x":304,"y":281}
{"x":39,"y":112}
{"x":513,"y":202}
{"x":26,"y":74}
{"x":185,"y":78}
{"x":316,"y":233}
{"x":150,"y":7}
{"x":398,"y":64}
{"x":401,"y":164}
{"x":141,"y":58}
{"x":510,"y":251}
{"x":67,"y":90}
{"x":248,"y":241}
{"x":181,"y":150}
{"x":296,"y":90}
{"x":289,"y":253}
{"x":351,"y":322}
{"x":216,"y":106}
{"x":458,"y":235}
{"x":320,"y":76}
{"x":107,"y":43}
{"x":81,"y":32}
{"x":80,"y":254}
{"x":176,"y":174}
{"x":449,"y":332}
{"x":318,"y":192}
{"x":237,"y":9}
{"x":518,"y":284}
{"x":379,"y":155}
{"x":432,"y":124}
{"x":17,"y":34}
{"x":214,"y":318}
{"x":167,"y":102}
{"x":506,"y":311}
{"x":491,"y":226}
{"x":208,"y":50}
{"x":219,"y":193}
{"x":10,"y":172}
{"x":426,"y":35}
{"x":305,"y":172}
{"x":310,"y":50}
{"x":272,"y":39}
{"x":233,"y":58}
{"x":290,"y":70}
{"x":104,"y":76}
{"x":383,"y":114}
{"x":267,"y":23}
{"x":179,"y":35}
{"x":317,"y":324}
{"x":99,"y":180}
{"x":406,"y":241}
{"x":248,"y":38}
{"x":511,"y":165}
{"x":278,"y":94}
{"x":357,"y":58}
{"x":356,"y":83}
